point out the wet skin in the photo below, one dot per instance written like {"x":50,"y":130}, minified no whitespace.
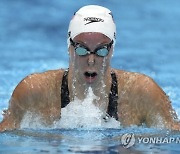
{"x":92,"y":63}
{"x":141,"y":100}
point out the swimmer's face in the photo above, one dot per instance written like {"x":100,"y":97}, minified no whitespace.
{"x":90,"y":68}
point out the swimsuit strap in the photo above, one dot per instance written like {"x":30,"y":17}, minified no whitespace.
{"x":65,"y":100}
{"x":113,"y":97}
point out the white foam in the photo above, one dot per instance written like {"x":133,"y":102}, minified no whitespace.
{"x":84,"y":114}
{"x":32,"y":120}
{"x":77,"y":114}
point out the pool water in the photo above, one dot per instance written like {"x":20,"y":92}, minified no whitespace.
{"x":83,"y":141}
{"x":33,"y":39}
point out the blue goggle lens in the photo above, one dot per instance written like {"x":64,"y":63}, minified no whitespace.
{"x":81,"y":51}
{"x":102,"y":52}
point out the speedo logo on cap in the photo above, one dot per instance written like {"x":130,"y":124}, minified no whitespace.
{"x":90,"y":20}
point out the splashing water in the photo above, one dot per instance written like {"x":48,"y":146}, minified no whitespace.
{"x":32,"y":120}
{"x":102,"y":89}
{"x":77,"y":114}
{"x":84,"y":114}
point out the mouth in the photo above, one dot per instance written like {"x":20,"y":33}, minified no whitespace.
{"x":90,"y":76}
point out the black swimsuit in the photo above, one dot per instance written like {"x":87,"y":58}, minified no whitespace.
{"x":113,"y":95}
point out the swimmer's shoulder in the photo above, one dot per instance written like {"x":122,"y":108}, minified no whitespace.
{"x":47,"y":78}
{"x":137,"y":83}
{"x":44,"y":77}
{"x":38,"y":86}
{"x":38,"y":93}
{"x":126,"y":77}
{"x":141,"y":96}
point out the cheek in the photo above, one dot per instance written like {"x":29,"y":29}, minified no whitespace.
{"x":71,"y":56}
{"x":108,"y":58}
{"x":80,"y":62}
{"x":105,"y":61}
{"x":104,"y":64}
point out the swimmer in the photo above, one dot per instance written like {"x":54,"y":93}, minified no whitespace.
{"x":131,"y":98}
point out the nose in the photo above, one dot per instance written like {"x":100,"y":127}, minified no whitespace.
{"x":91,"y":59}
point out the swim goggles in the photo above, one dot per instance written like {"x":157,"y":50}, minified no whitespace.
{"x":81,"y":50}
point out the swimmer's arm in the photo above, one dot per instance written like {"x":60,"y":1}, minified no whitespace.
{"x":18,"y":105}
{"x":37,"y":93}
{"x":159,"y":112}
{"x":12,"y":116}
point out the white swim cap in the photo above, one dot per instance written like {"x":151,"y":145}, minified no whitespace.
{"x":92,"y":18}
